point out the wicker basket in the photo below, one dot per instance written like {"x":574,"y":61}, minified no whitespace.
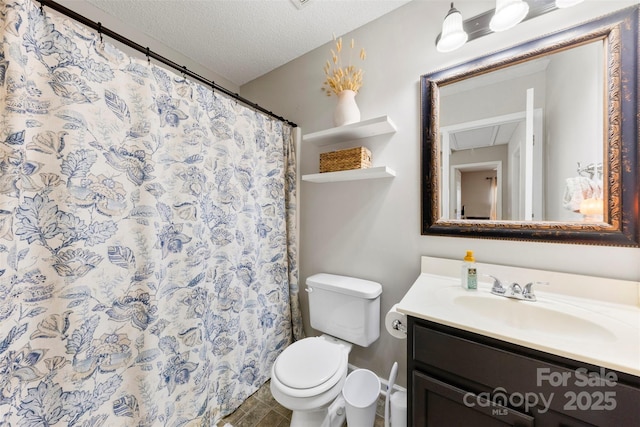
{"x":351,"y":158}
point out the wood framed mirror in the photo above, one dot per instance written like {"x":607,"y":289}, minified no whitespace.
{"x":537,"y":142}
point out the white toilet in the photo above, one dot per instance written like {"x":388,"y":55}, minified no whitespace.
{"x":308,"y":375}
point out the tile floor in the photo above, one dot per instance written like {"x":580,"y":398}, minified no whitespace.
{"x":262,"y":410}
{"x":259,"y":410}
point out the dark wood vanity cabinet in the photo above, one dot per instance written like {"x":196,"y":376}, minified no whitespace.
{"x":460,"y":379}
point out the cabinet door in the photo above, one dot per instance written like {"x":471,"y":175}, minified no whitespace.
{"x":466,"y":358}
{"x":438,"y":404}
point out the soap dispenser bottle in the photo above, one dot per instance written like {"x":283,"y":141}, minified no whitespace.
{"x":469,"y":272}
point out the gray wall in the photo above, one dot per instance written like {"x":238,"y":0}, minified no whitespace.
{"x":371,"y":229}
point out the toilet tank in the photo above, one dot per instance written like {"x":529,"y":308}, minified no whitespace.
{"x":345,"y":307}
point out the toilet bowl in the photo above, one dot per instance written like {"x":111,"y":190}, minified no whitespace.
{"x":308,"y":376}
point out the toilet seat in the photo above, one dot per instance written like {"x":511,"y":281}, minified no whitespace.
{"x":309,"y":367}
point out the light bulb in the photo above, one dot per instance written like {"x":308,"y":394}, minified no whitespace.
{"x":453,"y":35}
{"x":508,"y":14}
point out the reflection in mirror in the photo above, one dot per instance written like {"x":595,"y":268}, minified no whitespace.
{"x":539,"y":141}
{"x":529,"y":126}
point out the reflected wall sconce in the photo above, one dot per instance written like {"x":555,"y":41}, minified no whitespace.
{"x":507,"y":14}
{"x":592,"y":209}
{"x":453,"y":34}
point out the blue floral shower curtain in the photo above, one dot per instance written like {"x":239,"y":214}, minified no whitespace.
{"x":148,"y":270}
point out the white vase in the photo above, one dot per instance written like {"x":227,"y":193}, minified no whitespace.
{"x":347,"y":110}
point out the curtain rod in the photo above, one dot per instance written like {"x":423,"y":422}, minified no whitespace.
{"x":97,"y":26}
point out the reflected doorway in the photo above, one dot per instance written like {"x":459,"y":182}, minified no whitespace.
{"x":511,"y":141}
{"x":478,"y":194}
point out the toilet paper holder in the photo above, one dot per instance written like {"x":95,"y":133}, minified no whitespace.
{"x":398,"y":326}
{"x":396,"y":323}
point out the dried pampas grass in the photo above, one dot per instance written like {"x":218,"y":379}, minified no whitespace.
{"x":341,"y":77}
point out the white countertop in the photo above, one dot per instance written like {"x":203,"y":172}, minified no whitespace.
{"x":600,"y":333}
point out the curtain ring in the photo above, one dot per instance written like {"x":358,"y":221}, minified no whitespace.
{"x":148,"y":56}
{"x":184,"y":72}
{"x":100,"y":31}
{"x":41,"y":7}
{"x":213,"y":86}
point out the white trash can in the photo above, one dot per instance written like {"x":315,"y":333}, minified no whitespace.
{"x":360,"y":392}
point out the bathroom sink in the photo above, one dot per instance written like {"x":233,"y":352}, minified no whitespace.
{"x":589,"y":330}
{"x":542,"y":316}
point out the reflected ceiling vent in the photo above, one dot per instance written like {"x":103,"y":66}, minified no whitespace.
{"x":486,"y":136}
{"x":300,"y":3}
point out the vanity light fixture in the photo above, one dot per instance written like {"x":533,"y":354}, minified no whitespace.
{"x":567,"y":3}
{"x":453,"y":34}
{"x":508,"y":14}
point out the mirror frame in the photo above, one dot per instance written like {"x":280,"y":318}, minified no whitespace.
{"x":621,"y":226}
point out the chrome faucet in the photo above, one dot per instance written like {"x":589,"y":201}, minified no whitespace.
{"x":514,"y":290}
{"x":527,"y":292}
{"x":497,"y":288}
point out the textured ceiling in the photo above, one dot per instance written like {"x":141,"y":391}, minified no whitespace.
{"x":241,"y":40}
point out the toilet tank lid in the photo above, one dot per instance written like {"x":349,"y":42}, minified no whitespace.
{"x":345,"y":285}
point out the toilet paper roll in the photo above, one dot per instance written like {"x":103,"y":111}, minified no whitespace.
{"x":396,"y":323}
